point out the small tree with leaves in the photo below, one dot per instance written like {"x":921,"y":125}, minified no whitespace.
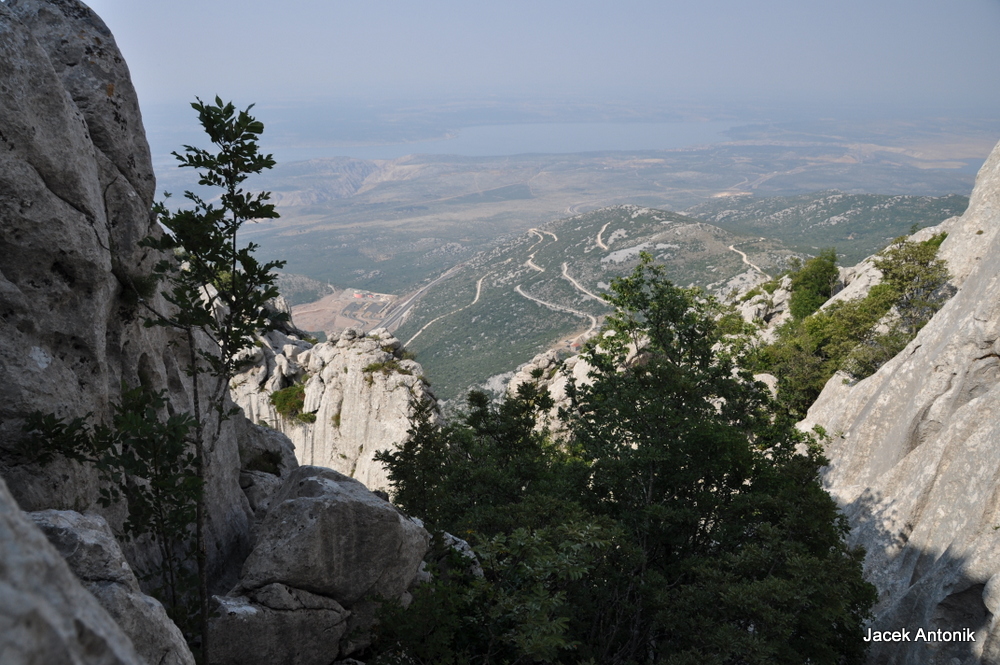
{"x":217,"y":287}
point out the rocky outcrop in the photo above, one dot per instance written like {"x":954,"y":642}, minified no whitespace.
{"x":359,"y":398}
{"x":326,"y":551}
{"x":277,"y":624}
{"x":93,"y":554}
{"x":914,"y":461}
{"x":46,"y":616}
{"x":76,"y":186}
{"x":327,"y":534}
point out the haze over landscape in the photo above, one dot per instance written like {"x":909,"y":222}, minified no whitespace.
{"x":660,"y":333}
{"x":412,"y":140}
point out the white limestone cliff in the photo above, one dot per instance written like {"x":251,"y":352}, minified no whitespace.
{"x":359,"y":398}
{"x":915,"y":460}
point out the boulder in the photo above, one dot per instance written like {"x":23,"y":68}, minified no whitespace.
{"x":93,"y":554}
{"x":327,"y":534}
{"x":46,"y":616}
{"x":267,"y":457}
{"x":277,"y":625}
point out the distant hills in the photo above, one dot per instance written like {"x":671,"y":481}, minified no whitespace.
{"x":855,"y":224}
{"x":388,"y":225}
{"x":543,"y":288}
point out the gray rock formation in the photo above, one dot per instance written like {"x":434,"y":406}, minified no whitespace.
{"x":76,"y":187}
{"x":327,"y":534}
{"x":914,"y":461}
{"x":277,"y":624}
{"x":548,"y":370}
{"x":46,"y":616}
{"x":326,"y":544}
{"x":93,"y":554}
{"x":359,"y":398}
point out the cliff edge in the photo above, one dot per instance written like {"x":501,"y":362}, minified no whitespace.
{"x":914,"y":460}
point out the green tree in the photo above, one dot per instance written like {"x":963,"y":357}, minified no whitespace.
{"x":812,"y":284}
{"x":859,"y":336}
{"x":217,"y":287}
{"x":703,"y":533}
{"x":686,"y":454}
{"x":145,"y":459}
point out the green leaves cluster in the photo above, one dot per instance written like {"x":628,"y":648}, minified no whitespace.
{"x":216,"y":285}
{"x":812,"y":284}
{"x":289,"y":403}
{"x":681,"y":522}
{"x":861,"y":335}
{"x":147,"y":460}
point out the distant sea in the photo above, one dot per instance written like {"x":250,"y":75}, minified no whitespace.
{"x":476,"y":141}
{"x":526,"y":138}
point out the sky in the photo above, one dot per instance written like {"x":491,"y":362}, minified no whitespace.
{"x":888,"y":52}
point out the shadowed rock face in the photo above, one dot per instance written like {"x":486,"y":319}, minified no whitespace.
{"x":93,"y":554}
{"x":915,"y":460}
{"x":76,"y":186}
{"x":327,"y":534}
{"x":46,"y":616}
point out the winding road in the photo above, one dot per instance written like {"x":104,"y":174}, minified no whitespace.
{"x":600,"y":243}
{"x":560,"y":308}
{"x":479,"y":290}
{"x":576,"y":284}
{"x":396,"y":317}
{"x":747,"y":261}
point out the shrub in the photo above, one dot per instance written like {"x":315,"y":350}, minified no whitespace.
{"x":812,"y":285}
{"x":289,"y":403}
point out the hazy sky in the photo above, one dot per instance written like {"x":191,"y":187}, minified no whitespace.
{"x":900,"y":52}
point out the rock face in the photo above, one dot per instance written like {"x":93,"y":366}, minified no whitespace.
{"x":359,"y":398}
{"x":76,"y":186}
{"x":914,"y":461}
{"x":93,"y":554}
{"x":46,"y":616}
{"x":326,"y":549}
{"x":327,"y":534}
{"x":277,"y":624}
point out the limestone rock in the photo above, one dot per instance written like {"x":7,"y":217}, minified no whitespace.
{"x":93,"y":554}
{"x":554,"y":373}
{"x":276,"y":624}
{"x":913,"y":455}
{"x":46,"y":616}
{"x":76,"y":187}
{"x":266,"y":459}
{"x":359,"y":398}
{"x":327,"y":534}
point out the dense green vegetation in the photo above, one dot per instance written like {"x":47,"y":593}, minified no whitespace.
{"x":289,"y":403}
{"x":857,"y":224}
{"x":676,"y":523}
{"x":855,"y":336}
{"x":812,"y":283}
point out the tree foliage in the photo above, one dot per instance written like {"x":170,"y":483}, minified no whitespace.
{"x":144,"y":457}
{"x":859,"y":336}
{"x":812,"y":284}
{"x":703,"y":534}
